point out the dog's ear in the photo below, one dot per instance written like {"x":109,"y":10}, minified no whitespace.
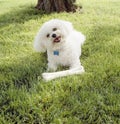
{"x":39,"y":44}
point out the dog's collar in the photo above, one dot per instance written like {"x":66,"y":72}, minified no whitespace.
{"x":56,"y":52}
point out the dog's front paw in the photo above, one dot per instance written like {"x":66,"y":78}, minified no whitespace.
{"x":51,"y":67}
{"x":46,"y":76}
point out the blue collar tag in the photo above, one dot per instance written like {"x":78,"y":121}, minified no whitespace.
{"x":56,"y":53}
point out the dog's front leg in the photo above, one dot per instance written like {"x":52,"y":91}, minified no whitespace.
{"x":76,"y":65}
{"x":52,"y":67}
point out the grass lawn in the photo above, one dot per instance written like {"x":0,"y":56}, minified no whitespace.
{"x":91,"y":98}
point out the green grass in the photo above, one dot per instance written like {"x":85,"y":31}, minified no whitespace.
{"x":91,"y":98}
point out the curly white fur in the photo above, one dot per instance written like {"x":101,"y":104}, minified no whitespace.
{"x":63,"y":45}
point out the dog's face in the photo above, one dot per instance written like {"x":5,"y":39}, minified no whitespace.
{"x":54,"y":33}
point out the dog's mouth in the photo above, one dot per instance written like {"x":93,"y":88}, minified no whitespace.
{"x":57,"y":39}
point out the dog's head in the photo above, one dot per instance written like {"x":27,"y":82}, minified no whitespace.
{"x":52,"y":34}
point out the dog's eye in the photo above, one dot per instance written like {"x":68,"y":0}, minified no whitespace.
{"x":54,"y":29}
{"x":47,"y":35}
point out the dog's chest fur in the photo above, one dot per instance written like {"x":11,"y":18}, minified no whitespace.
{"x":65,"y":56}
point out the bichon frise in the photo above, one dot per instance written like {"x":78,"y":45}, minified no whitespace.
{"x":63,"y":45}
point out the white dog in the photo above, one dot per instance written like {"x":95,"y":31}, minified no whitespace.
{"x":63,"y":45}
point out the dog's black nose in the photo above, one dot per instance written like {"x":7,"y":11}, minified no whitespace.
{"x":54,"y":35}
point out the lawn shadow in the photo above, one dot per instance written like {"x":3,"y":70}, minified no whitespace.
{"x":23,"y":72}
{"x":20,"y":15}
{"x":29,"y":68}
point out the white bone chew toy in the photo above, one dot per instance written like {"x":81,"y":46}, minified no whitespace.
{"x":53,"y":75}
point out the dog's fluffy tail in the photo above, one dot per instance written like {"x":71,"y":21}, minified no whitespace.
{"x":77,"y":37}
